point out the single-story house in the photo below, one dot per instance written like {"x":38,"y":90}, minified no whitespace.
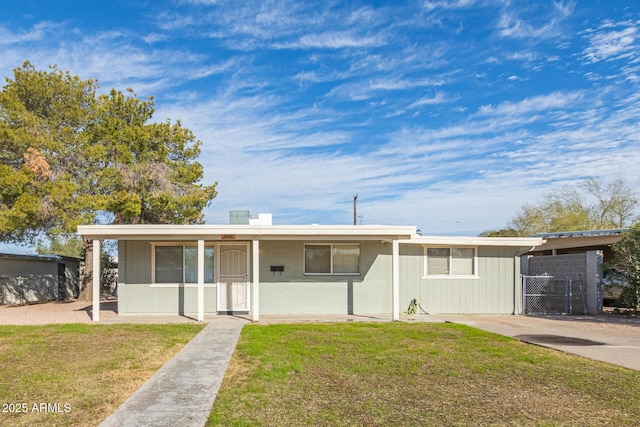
{"x":34,"y":278}
{"x":258,"y":268}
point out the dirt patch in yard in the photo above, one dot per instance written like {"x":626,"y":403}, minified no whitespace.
{"x":72,"y":311}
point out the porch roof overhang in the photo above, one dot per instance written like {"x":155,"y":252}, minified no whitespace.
{"x":245,"y":232}
{"x":518,"y":242}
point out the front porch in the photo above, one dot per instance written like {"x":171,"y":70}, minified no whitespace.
{"x":370,"y":283}
{"x":234,"y":293}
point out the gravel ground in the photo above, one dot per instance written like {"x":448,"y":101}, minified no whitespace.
{"x":55,"y":312}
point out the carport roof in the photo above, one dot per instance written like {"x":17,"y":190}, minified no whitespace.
{"x":580,"y":240}
{"x":522,"y":242}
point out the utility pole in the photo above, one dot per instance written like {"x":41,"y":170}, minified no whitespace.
{"x":355,"y":211}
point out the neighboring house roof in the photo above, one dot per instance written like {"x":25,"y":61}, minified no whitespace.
{"x":27,"y":257}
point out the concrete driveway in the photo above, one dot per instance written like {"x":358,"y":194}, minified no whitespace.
{"x":605,"y":338}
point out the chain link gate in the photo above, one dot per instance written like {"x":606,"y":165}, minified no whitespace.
{"x":547,"y":295}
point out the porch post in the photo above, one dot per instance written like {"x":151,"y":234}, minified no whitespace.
{"x":255,"y":270}
{"x":395,"y":280}
{"x":200,"y":280}
{"x":96,"y":281}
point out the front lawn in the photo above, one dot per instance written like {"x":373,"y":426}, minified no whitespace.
{"x":409,"y":374}
{"x":77,"y":374}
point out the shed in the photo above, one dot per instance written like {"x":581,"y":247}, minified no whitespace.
{"x":35,"y":278}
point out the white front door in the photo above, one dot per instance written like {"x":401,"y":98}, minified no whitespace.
{"x":233,"y":283}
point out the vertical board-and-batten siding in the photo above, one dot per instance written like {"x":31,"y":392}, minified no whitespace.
{"x":137,"y":258}
{"x":287,"y":292}
{"x":492,"y":291}
{"x":293,"y":292}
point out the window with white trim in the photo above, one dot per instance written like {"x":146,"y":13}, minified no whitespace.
{"x":459,"y":261}
{"x":179,"y":264}
{"x":331,"y":258}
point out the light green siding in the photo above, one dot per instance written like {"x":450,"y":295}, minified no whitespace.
{"x":136,"y":294}
{"x":173,"y":300}
{"x":492,"y":291}
{"x":293,"y":292}
{"x":136,"y":256}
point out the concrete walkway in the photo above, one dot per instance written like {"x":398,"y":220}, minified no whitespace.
{"x":593,"y":338}
{"x":181,"y":393}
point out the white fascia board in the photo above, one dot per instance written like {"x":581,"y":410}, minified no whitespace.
{"x":578,"y":242}
{"x":475,"y":241}
{"x":214,"y":232}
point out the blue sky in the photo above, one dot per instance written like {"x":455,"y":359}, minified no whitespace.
{"x":447,"y":114}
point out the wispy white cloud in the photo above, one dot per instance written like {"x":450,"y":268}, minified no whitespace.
{"x":449,"y":4}
{"x":198,"y":2}
{"x":172,"y":20}
{"x":535,"y":104}
{"x":438,"y":98}
{"x":155,"y":37}
{"x":612,"y":41}
{"x":114,"y":58}
{"x":362,"y":90}
{"x":538,"y":24}
{"x":334,"y":40}
{"x":39,"y":31}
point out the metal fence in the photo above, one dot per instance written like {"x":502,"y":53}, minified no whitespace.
{"x":20,"y":290}
{"x":553,"y":295}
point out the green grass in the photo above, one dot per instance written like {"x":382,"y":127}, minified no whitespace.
{"x":90,"y":368}
{"x":408,"y":374}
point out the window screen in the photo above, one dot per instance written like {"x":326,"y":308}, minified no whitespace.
{"x":450,"y":261}
{"x":462,"y":261}
{"x":179,"y":264}
{"x":332,"y":259}
{"x":438,"y":261}
{"x":346,"y":259}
